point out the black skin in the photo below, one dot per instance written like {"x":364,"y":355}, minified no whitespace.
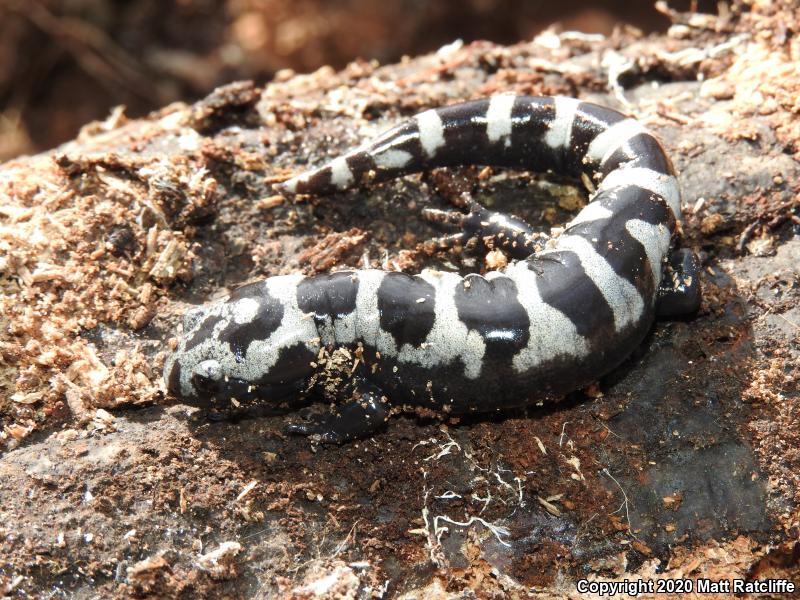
{"x":679,"y":292}
{"x":367,"y":411}
{"x":363,"y":415}
{"x":482,"y":229}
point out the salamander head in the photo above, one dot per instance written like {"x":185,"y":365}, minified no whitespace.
{"x":257,"y":345}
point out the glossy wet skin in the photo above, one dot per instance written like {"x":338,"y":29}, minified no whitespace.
{"x":211,"y":387}
{"x":551,"y":322}
{"x":241,"y":349}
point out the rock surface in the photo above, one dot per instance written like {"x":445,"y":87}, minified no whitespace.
{"x":683,"y":463}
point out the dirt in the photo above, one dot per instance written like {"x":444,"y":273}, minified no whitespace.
{"x":683,"y":463}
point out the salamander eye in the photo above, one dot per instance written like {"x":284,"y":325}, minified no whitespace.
{"x":207,"y":376}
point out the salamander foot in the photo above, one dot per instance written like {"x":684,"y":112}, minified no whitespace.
{"x":483,"y":229}
{"x":358,"y":418}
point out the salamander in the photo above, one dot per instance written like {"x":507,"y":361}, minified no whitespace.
{"x":552,"y":321}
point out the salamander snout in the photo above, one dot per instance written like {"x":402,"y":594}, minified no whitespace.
{"x":257,"y":345}
{"x":219,"y":383}
{"x":195,"y":382}
{"x":208,"y":377}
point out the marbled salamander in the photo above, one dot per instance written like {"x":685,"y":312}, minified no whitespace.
{"x":547,"y":324}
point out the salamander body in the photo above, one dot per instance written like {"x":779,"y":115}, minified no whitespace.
{"x":549,"y":323}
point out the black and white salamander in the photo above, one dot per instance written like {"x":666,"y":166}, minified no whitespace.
{"x":549,"y":323}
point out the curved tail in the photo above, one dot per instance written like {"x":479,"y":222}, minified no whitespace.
{"x":559,"y":134}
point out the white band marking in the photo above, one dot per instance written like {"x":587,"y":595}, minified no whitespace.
{"x":665,"y":186}
{"x":607,"y":142}
{"x":498,"y":118}
{"x":655,"y":239}
{"x":449,"y":337}
{"x":431,"y":131}
{"x":341,"y":176}
{"x":594,"y":211}
{"x":552,"y":333}
{"x":392,"y":159}
{"x":560,"y":131}
{"x":244,"y":310}
{"x":622,"y":297}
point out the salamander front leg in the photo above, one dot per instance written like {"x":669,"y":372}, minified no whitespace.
{"x":483,"y":229}
{"x":679,"y":292}
{"x":357,"y":418}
